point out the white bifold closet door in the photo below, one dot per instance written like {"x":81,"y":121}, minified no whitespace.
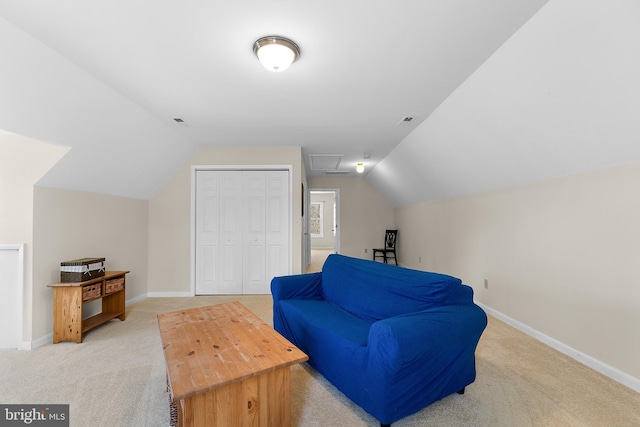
{"x":242,"y":231}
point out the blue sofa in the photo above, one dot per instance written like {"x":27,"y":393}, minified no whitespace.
{"x":392,"y":339}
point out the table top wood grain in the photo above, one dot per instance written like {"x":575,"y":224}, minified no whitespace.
{"x":209,"y":347}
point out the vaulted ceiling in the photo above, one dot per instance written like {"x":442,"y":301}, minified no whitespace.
{"x":560,"y":97}
{"x":503,"y":92}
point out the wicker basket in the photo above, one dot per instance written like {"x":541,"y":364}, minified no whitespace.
{"x":80,"y":270}
{"x":90,"y":292}
{"x":113,"y":285}
{"x":173,"y":407}
{"x":173,"y":413}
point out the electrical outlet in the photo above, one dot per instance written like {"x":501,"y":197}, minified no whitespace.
{"x":419,"y":260}
{"x":486,"y":284}
{"x":365,"y":250}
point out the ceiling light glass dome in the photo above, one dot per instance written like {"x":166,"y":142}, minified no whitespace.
{"x":276,"y":53}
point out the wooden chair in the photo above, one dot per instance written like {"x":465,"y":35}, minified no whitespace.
{"x":390,"y":239}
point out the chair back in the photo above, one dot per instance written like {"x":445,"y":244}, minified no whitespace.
{"x":390,"y":237}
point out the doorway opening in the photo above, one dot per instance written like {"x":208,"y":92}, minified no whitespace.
{"x":324,"y":229}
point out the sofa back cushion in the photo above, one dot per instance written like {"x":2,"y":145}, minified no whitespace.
{"x":374,"y":291}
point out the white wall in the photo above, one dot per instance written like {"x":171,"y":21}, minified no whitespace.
{"x":170,"y":214}
{"x":22,"y":162}
{"x":72,"y":224}
{"x":364,"y":215}
{"x":560,"y":256}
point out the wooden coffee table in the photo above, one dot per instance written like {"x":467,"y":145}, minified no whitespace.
{"x":226,"y":367}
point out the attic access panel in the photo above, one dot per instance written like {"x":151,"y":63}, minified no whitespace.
{"x":325,"y":162}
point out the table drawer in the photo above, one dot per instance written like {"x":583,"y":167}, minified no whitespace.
{"x":114,"y":285}
{"x":90,"y":292}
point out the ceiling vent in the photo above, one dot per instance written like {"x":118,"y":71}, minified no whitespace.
{"x":406,"y":121}
{"x":337,"y":172}
{"x":325,"y":162}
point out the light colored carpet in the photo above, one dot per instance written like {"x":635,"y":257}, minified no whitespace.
{"x":318,"y":257}
{"x":116,"y":377}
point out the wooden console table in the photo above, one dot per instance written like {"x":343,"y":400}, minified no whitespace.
{"x":226,"y":367}
{"x":69,"y":297}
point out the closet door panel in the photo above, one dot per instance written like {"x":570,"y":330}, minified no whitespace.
{"x":242,"y":231}
{"x":207,"y":233}
{"x":277,"y":223}
{"x":231,"y":212}
{"x":254,"y":234}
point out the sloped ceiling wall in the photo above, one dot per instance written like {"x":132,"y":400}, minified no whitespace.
{"x":364,"y":65}
{"x":59,"y":103}
{"x":562,"y":96}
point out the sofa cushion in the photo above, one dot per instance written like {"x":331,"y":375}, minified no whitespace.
{"x":322,"y":320}
{"x":374,"y":291}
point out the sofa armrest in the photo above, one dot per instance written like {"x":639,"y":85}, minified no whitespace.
{"x":437,"y":334}
{"x":422,"y":357}
{"x":299,"y":286}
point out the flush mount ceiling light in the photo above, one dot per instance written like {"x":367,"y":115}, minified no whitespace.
{"x":360,"y":167}
{"x":276,"y":53}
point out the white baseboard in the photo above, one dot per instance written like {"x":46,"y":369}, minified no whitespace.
{"x":169,"y":294}
{"x":595,"y":364}
{"x":611,"y":372}
{"x":43,"y":340}
{"x":158,"y":295}
{"x":135,"y":299}
{"x":48,"y":338}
